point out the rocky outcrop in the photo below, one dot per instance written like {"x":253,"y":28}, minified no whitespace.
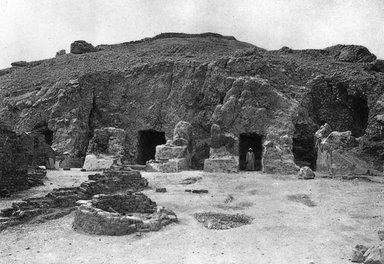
{"x":60,"y":53}
{"x":106,"y":148}
{"x":224,"y":153}
{"x":81,"y":46}
{"x":351,"y":53}
{"x":19,"y":64}
{"x":175,"y":155}
{"x":338,"y":153}
{"x":282,"y":96}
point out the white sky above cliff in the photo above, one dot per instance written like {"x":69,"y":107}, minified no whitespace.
{"x":36,"y":29}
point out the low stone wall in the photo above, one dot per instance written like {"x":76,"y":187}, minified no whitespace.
{"x":123,"y":214}
{"x":128,"y":203}
{"x":110,"y":181}
{"x":36,"y":177}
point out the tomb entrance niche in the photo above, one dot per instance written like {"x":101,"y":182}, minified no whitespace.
{"x":255,"y":142}
{"x":147,"y":142}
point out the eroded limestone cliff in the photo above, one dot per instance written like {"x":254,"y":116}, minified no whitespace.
{"x":284,"y":95}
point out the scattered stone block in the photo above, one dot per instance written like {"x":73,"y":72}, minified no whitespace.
{"x":196,"y":191}
{"x":60,"y":53}
{"x":19,"y":64}
{"x":380,"y":233}
{"x":375,"y":254}
{"x":98,"y":162}
{"x":199,"y":191}
{"x":306,"y":173}
{"x":81,"y":46}
{"x":358,"y":253}
{"x":190,"y":180}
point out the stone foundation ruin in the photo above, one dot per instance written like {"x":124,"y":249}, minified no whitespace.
{"x":66,"y":198}
{"x":120,"y":214}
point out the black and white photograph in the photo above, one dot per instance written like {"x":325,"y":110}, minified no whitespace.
{"x":191,"y":132}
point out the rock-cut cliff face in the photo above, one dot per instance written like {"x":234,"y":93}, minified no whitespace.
{"x":280,"y":96}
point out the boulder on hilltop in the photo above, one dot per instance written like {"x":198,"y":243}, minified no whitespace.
{"x":81,"y":46}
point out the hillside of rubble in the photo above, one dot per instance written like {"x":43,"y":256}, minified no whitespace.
{"x":203,"y":79}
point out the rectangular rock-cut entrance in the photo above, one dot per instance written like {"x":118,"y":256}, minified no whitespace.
{"x":147,"y":142}
{"x":255,"y":142}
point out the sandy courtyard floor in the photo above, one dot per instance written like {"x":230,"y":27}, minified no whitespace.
{"x":283,"y":231}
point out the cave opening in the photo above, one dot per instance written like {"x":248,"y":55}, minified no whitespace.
{"x":303,"y":147}
{"x":360,"y":113}
{"x":147,"y":142}
{"x":43,"y":129}
{"x":255,"y":142}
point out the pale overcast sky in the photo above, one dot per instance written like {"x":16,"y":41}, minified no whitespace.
{"x":36,"y":29}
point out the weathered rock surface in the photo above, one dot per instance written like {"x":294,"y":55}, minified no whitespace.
{"x":60,"y":53}
{"x":228,"y":164}
{"x":19,"y":64}
{"x":339,"y":153}
{"x":106,"y":148}
{"x":283,"y":95}
{"x":306,"y":173}
{"x":81,"y":46}
{"x":224,"y":153}
{"x":351,"y":53}
{"x":175,"y":155}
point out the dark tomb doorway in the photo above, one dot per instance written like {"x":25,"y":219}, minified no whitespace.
{"x":303,"y":146}
{"x":360,"y":113}
{"x":43,"y":129}
{"x":254,"y":141}
{"x":147,"y":142}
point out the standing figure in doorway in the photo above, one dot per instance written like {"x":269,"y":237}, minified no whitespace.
{"x":250,"y":160}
